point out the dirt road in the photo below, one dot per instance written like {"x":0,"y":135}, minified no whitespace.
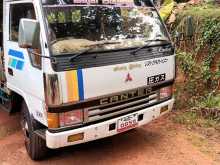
{"x":159,"y":143}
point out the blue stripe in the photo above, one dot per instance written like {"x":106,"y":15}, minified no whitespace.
{"x":20,"y":65}
{"x":16,"y":53}
{"x":80,"y":84}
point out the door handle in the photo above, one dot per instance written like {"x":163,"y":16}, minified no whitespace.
{"x":10,"y":72}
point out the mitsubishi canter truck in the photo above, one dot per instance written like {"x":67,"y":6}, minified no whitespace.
{"x":81,"y":70}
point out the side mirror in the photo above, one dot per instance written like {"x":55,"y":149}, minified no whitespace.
{"x":29,"y":34}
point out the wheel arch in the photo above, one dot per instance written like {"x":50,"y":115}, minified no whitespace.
{"x":17,"y":100}
{"x":18,"y":97}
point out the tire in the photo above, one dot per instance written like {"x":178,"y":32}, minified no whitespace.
{"x":35,"y":145}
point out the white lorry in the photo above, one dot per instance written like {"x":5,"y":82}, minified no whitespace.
{"x":81,"y":70}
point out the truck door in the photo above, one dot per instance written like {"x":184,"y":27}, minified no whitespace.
{"x":23,"y":70}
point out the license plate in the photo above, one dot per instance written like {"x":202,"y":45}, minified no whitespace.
{"x":127,"y":122}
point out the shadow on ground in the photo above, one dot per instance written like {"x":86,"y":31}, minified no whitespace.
{"x":124,"y":145}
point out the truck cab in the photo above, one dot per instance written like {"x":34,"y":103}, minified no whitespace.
{"x":83,"y":70}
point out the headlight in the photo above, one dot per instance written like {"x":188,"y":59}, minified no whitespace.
{"x":71,"y":118}
{"x":166,"y":92}
{"x":57,"y":120}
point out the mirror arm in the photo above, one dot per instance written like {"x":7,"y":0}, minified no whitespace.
{"x":53,"y":59}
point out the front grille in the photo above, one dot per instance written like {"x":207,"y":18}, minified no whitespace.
{"x":103,"y":112}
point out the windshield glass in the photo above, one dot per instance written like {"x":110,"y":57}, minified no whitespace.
{"x":75,"y":28}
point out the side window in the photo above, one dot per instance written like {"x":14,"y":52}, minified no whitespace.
{"x":17,"y":12}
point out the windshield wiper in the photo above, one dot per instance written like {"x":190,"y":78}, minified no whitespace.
{"x":91,"y":47}
{"x":148,"y":42}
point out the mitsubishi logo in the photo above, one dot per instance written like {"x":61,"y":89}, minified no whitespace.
{"x":128,"y":78}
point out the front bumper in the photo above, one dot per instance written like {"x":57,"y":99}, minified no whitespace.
{"x":101,"y":130}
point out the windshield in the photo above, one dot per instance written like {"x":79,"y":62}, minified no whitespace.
{"x":75,"y":28}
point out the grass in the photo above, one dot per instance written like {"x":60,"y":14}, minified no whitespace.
{"x":193,"y":119}
{"x":187,"y":118}
{"x":202,"y":11}
{"x":199,"y":13}
{"x":211,"y":101}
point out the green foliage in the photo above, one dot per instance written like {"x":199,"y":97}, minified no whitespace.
{"x":193,"y":119}
{"x":186,"y":62}
{"x":211,"y":32}
{"x":210,"y":38}
{"x":189,"y":118}
{"x":196,"y":92}
{"x":195,"y":85}
{"x":210,"y":101}
{"x":201,"y":68}
{"x":197,"y":66}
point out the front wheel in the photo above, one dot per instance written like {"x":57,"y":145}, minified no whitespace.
{"x":35,"y":145}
